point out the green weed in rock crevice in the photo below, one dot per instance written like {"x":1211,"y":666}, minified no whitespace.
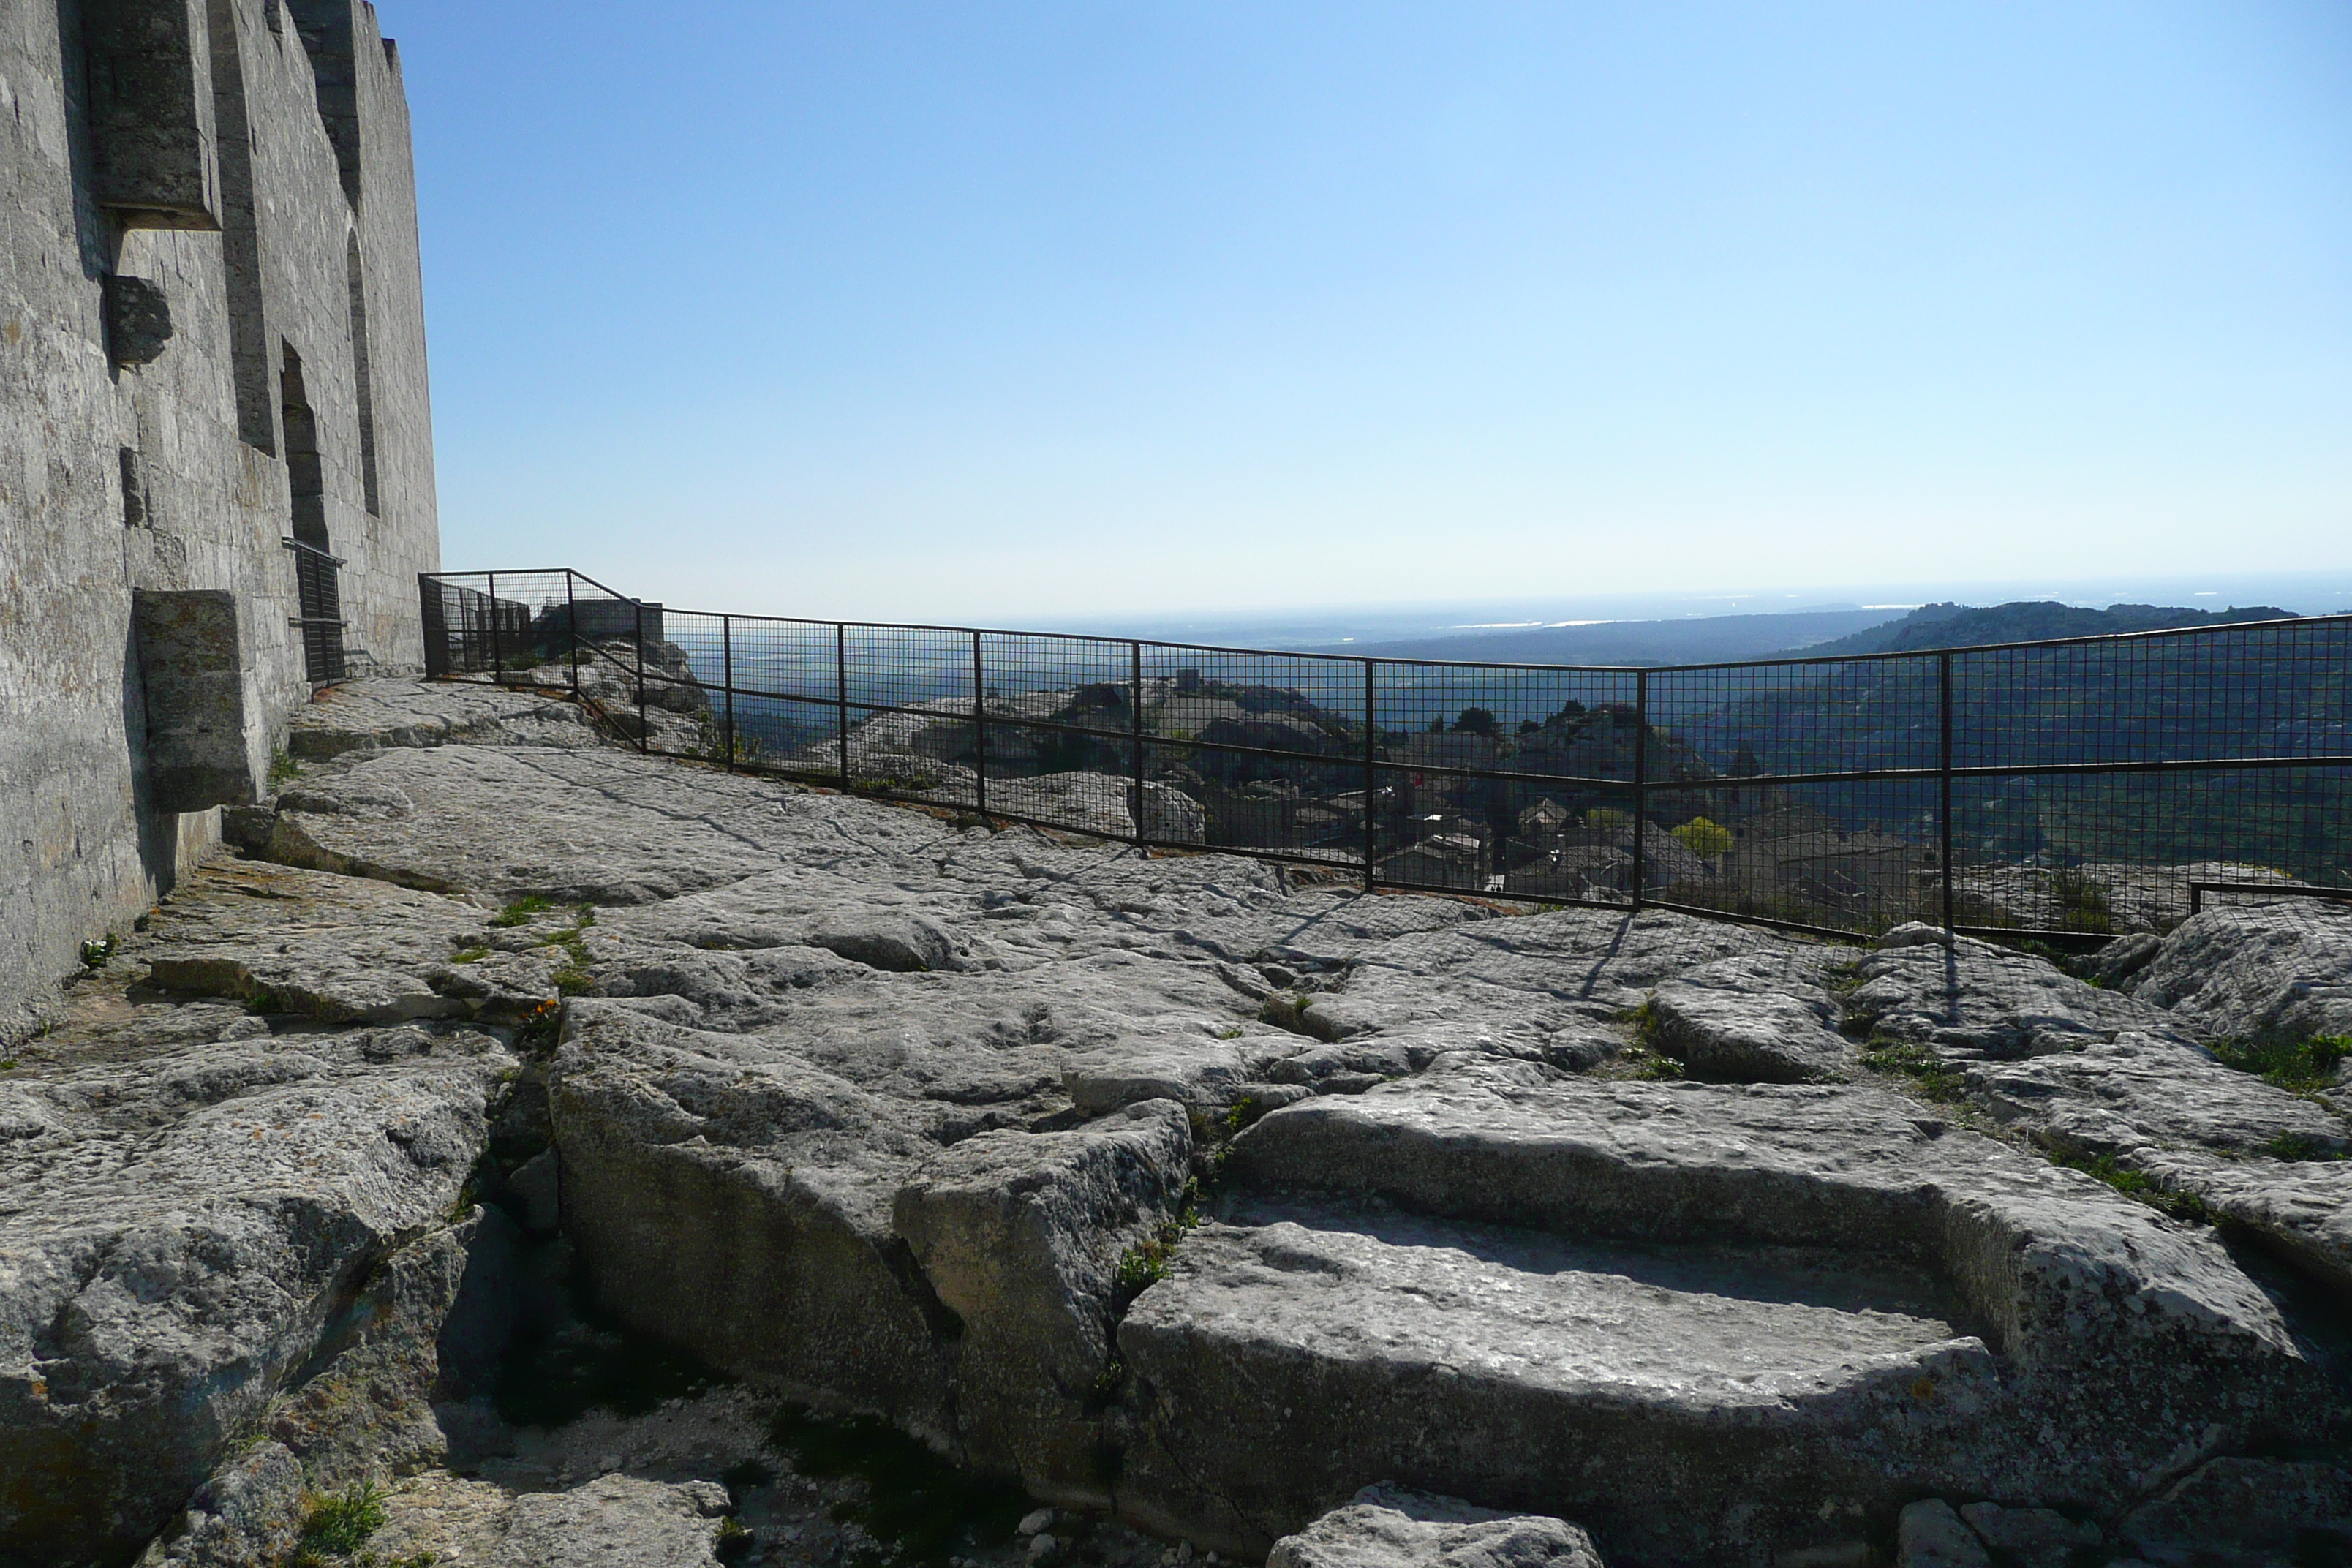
{"x":520,"y":911}
{"x":338,"y":1524}
{"x":1647,"y":1055}
{"x":2137,"y":1185}
{"x":1918,"y":1063}
{"x":2299,"y":1066}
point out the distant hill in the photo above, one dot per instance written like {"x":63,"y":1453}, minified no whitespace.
{"x":2025,"y":620}
{"x":1695,"y":639}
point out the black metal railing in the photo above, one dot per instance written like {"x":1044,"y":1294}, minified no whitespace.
{"x":318,"y":593}
{"x":2064,"y":789}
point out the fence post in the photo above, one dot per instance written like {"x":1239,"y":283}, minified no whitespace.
{"x":1135,"y":727}
{"x":1944,"y":768}
{"x":1641,"y":784}
{"x":1371,"y":751}
{"x":841,"y":693}
{"x":978,"y":732}
{"x":497,"y":657}
{"x":571,"y":627}
{"x":644,"y":731}
{"x":727,"y":673}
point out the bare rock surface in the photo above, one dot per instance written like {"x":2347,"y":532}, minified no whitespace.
{"x":1970,"y":1001}
{"x":1931,"y":1535}
{"x":613,"y":1521}
{"x":361,"y":715}
{"x":2248,"y":970}
{"x":892,"y":1112}
{"x":1943,"y":1290}
{"x":1023,"y":1236}
{"x":2031,"y":1537}
{"x":1759,"y":1019}
{"x":1394,"y":1526}
{"x":2151,"y":1092}
{"x":194,"y":1200}
{"x":2099,"y":1075}
{"x":342,"y":949}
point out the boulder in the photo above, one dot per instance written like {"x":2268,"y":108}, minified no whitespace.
{"x":1023,"y":1236}
{"x":1928,"y":1534}
{"x":1389,"y":1526}
{"x":1750,"y":1021}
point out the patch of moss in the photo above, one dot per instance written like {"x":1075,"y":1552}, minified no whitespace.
{"x":1841,"y":979}
{"x":573,"y":980}
{"x":283,"y":768}
{"x":469,"y":955}
{"x":1918,"y":1063}
{"x":521,"y":909}
{"x":2296,"y":1146}
{"x":2299,"y":1066}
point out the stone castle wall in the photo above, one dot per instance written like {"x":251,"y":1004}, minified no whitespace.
{"x":214,"y":336}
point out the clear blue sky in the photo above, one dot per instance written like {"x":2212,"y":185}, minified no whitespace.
{"x":908,"y":310}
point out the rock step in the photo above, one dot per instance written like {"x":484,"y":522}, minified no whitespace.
{"x":1713,"y":1322}
{"x":1301,"y":1349}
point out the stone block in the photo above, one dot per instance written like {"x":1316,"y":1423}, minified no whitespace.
{"x":205,"y":744}
{"x":150,"y":115}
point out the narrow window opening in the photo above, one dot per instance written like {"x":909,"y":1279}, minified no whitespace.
{"x":318,"y":593}
{"x":359,"y":373}
{"x":304,"y":472}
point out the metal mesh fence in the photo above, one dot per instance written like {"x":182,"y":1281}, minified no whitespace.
{"x":2067,"y":789}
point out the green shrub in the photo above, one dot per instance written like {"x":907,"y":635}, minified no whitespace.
{"x":1704,"y":838}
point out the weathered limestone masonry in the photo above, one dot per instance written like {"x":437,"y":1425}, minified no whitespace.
{"x":213,"y":328}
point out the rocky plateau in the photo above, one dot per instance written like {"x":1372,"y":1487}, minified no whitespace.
{"x":523,"y":1151}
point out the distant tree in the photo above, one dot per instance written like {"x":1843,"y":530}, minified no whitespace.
{"x":1704,"y":838}
{"x":1744,"y":764}
{"x":1475,"y":721}
{"x":1607,"y":819}
{"x":1528,"y":727}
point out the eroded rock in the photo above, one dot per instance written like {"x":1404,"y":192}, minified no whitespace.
{"x":190,"y":1228}
{"x":1022,"y":1237}
{"x":1393,"y":1527}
